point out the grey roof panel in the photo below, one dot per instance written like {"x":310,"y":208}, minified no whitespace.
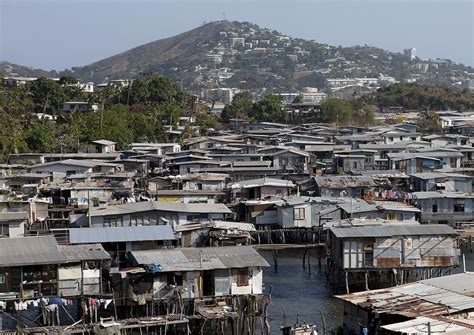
{"x":144,"y":206}
{"x":190,"y":259}
{"x":121,"y":234}
{"x":45,"y":250}
{"x":392,"y":230}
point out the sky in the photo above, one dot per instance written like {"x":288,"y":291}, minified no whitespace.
{"x":59,"y":34}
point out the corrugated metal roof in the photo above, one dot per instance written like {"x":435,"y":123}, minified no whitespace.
{"x":45,"y":250}
{"x":121,"y":234}
{"x":437,"y":326}
{"x":392,"y":230}
{"x":144,"y":206}
{"x":265,"y":182}
{"x":436,"y":296}
{"x":190,"y":259}
{"x":84,"y":252}
{"x":341,"y":182}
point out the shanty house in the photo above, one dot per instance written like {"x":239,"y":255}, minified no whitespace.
{"x":99,"y":146}
{"x":151,"y":213}
{"x":261,"y":188}
{"x":31,"y":267}
{"x":444,"y":206}
{"x":387,"y":210}
{"x":376,"y":247}
{"x":339,"y":186}
{"x":202,"y":272}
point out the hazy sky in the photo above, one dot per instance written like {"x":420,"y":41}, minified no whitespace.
{"x":58,"y":34}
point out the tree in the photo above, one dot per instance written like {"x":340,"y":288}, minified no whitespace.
{"x":336,"y":110}
{"x":269,"y":109}
{"x":41,"y":137}
{"x":239,"y":107}
{"x":47,"y":94}
{"x":429,"y":122}
{"x":298,"y":99}
{"x":205,"y":123}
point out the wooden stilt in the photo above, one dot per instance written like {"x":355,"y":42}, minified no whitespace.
{"x":367,"y":280}
{"x":347,"y":282}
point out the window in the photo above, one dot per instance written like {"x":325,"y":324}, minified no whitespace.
{"x":192,"y":218}
{"x":299,"y":213}
{"x":242,"y":277}
{"x":4,"y":230}
{"x":391,"y":216}
{"x":113,"y":221}
{"x":2,"y":278}
{"x":434,"y":208}
{"x":174,"y":278}
{"x":354,"y":165}
{"x":459,"y":207}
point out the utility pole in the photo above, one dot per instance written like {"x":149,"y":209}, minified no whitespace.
{"x":429,"y":328}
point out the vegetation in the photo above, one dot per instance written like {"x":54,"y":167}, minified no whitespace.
{"x":32,"y":119}
{"x":422,"y":97}
{"x":429,"y":123}
{"x":238,"y":108}
{"x":269,"y":109}
{"x":347,"y":112}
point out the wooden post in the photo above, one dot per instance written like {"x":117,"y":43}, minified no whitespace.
{"x":367,"y":280}
{"x":275,"y":259}
{"x":347,"y":281}
{"x":309,"y":261}
{"x":304,"y":258}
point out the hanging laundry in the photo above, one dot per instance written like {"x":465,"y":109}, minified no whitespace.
{"x":141,"y":299}
{"x":107,"y":303}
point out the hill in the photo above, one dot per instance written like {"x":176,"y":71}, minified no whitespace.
{"x":14,"y":70}
{"x":181,"y":51}
{"x":246,"y":56}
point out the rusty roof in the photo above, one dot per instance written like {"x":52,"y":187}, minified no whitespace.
{"x":431,"y":297}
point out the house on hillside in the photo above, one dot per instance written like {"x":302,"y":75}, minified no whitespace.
{"x":99,"y":146}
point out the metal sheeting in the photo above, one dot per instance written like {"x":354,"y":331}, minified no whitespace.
{"x":420,"y":325}
{"x":29,"y":250}
{"x":83,"y":252}
{"x":190,"y":259}
{"x":145,"y":206}
{"x":342,"y":182}
{"x":45,"y":250}
{"x":265,"y":182}
{"x":392,"y":230}
{"x":436,"y":296}
{"x":121,"y":234}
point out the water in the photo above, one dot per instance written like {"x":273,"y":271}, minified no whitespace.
{"x":299,"y":291}
{"x":307,"y":293}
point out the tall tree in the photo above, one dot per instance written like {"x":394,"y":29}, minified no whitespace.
{"x":269,"y":109}
{"x":336,"y":110}
{"x":239,"y":107}
{"x":429,"y":122}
